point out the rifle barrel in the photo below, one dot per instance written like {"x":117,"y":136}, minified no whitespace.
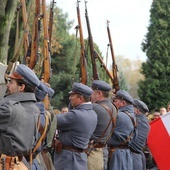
{"x":83,"y":63}
{"x":92,"y":52}
{"x":114,"y":66}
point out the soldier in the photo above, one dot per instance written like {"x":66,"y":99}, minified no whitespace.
{"x":119,"y":152}
{"x":138,"y":142}
{"x":106,"y":112}
{"x":75,"y":129}
{"x":43,"y":159}
{"x":18,"y":116}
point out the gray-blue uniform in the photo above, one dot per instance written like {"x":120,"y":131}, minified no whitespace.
{"x":102,"y":114}
{"x":41,"y":91}
{"x":139,"y":140}
{"x":103,"y":117}
{"x":76,"y":128}
{"x":18,"y":113}
{"x":120,"y":158}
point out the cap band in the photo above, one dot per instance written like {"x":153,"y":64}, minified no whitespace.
{"x":16,"y":75}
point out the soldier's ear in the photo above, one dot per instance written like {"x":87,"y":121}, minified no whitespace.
{"x":22,"y":87}
{"x":124,"y":102}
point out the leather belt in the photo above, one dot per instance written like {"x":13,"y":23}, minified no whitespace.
{"x":73,"y":149}
{"x":119,"y":147}
{"x":132,"y":150}
{"x":8,"y":158}
{"x":8,"y":162}
{"x":99,"y":145}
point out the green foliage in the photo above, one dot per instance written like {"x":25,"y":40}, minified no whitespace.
{"x":66,"y":61}
{"x":122,"y":81}
{"x":154,"y":90}
{"x":62,"y":61}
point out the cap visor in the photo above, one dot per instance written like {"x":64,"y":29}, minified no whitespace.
{"x":13,"y":77}
{"x":71,"y":92}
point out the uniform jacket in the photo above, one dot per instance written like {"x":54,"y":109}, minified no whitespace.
{"x":103,"y":119}
{"x":18,"y":117}
{"x":76,"y":128}
{"x":38,"y":162}
{"x":139,"y":141}
{"x":121,"y":159}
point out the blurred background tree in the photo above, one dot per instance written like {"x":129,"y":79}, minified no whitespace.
{"x":155,"y":89}
{"x":65,"y":53}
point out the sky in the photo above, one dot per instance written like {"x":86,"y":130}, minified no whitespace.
{"x":128,"y":23}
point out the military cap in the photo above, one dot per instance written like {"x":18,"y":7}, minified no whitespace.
{"x":50,"y":92}
{"x":100,"y":85}
{"x":140,"y":105}
{"x":124,"y":95}
{"x":79,"y":88}
{"x":42,"y":90}
{"x":24,"y":73}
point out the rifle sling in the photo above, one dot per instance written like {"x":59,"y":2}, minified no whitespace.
{"x":112,"y":119}
{"x":134,"y":124}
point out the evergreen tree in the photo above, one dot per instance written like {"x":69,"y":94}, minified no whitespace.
{"x":155,"y":89}
{"x":66,"y":61}
{"x":62,"y":60}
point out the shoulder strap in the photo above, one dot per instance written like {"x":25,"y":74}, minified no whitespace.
{"x":132,"y":119}
{"x":43,"y":135}
{"x":40,"y":140}
{"x":112,"y":119}
{"x":134,"y":124}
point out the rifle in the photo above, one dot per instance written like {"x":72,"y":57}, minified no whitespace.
{"x":83,"y":63}
{"x":51,"y":20}
{"x":104,"y":66}
{"x":92,"y":52}
{"x":11,"y":63}
{"x":46,"y":74}
{"x":26,"y":32}
{"x":114,"y":66}
{"x":46,"y":70}
{"x":35,"y":36}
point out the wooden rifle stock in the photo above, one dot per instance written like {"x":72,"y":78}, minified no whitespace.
{"x":47,"y":69}
{"x":114,"y":66}
{"x":92,"y":52}
{"x":35,"y":37}
{"x":26,"y":31}
{"x":104,"y":66}
{"x":24,"y":40}
{"x":83,"y":63}
{"x":51,"y":20}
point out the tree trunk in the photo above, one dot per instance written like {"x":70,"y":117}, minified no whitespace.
{"x":7,"y":15}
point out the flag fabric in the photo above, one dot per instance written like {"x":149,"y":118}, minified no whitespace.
{"x":159,"y":141}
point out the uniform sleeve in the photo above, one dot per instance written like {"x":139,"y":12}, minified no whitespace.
{"x":65,"y":121}
{"x":5,"y":116}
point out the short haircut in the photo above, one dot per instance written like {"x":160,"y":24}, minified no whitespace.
{"x":28,"y":88}
{"x":86,"y":98}
{"x":105,"y":93}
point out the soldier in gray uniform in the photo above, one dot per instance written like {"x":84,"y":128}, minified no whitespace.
{"x":119,"y":153}
{"x":139,"y":140}
{"x":19,"y":114}
{"x":75,"y":129}
{"x":106,"y":112}
{"x":43,"y":159}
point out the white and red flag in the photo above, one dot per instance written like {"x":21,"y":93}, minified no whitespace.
{"x":159,"y":141}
